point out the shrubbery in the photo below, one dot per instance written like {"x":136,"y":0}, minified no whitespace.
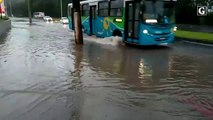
{"x":4,"y":18}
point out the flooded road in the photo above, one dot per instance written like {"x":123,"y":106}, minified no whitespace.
{"x":45,"y":76}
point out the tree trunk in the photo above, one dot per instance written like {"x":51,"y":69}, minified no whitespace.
{"x":77,"y":22}
{"x":29,"y":11}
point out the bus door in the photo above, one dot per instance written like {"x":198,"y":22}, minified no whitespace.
{"x":132,"y":21}
{"x":92,"y":19}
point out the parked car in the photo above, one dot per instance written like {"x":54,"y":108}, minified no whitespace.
{"x":64,"y":20}
{"x":47,"y":19}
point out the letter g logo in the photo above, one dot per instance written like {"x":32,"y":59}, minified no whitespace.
{"x":201,"y":10}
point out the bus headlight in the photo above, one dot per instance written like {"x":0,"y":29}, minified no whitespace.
{"x":145,"y":31}
{"x":175,"y":29}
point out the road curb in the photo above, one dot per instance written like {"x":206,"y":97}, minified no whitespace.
{"x":197,"y":41}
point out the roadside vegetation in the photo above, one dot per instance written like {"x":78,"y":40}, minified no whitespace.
{"x":4,"y":18}
{"x":195,"y":36}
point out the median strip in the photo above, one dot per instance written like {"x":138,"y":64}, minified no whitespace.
{"x":195,"y":36}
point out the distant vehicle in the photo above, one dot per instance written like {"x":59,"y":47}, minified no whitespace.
{"x":38,"y":15}
{"x":3,"y":14}
{"x":64,"y":20}
{"x":47,"y":19}
{"x":141,"y":22}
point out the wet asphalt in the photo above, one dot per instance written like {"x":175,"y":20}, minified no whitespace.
{"x":45,"y":76}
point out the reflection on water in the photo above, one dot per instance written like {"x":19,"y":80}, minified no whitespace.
{"x":160,"y":77}
{"x":45,"y":76}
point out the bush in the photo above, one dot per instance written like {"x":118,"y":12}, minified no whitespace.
{"x":4,"y":18}
{"x":209,"y":19}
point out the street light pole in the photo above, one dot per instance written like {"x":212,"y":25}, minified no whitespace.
{"x":61,"y":8}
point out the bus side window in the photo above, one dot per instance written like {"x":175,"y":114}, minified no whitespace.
{"x":103,"y":8}
{"x":71,"y":12}
{"x":68,"y":11}
{"x":85,"y":10}
{"x":116,"y":8}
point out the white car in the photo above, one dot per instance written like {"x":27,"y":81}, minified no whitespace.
{"x":47,"y":19}
{"x":64,"y":20}
{"x":3,"y":14}
{"x":38,"y":15}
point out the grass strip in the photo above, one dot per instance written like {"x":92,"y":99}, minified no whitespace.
{"x":195,"y":36}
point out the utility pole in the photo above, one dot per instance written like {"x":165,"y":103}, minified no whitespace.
{"x":29,"y":11}
{"x":11,"y":9}
{"x":77,"y":22}
{"x":61,"y":4}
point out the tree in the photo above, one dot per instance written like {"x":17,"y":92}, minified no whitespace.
{"x":77,"y":22}
{"x":186,"y":12}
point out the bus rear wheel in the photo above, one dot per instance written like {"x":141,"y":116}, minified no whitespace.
{"x":117,"y":33}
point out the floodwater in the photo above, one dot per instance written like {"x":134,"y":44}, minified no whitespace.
{"x":45,"y":76}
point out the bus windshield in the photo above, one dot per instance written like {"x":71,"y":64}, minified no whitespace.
{"x":158,"y":12}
